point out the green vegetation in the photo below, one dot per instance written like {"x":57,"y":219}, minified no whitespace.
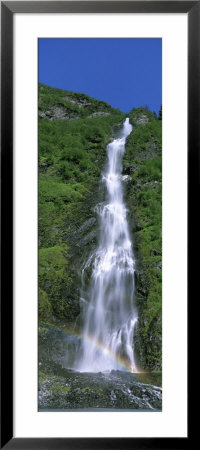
{"x":71,"y":157}
{"x":53,"y":279}
{"x":69,"y":104}
{"x":143,"y":163}
{"x":73,"y":132}
{"x":58,"y":389}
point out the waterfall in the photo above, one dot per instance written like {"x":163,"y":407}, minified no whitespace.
{"x":109,"y":315}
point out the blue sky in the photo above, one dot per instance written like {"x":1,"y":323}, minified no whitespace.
{"x":126,"y":73}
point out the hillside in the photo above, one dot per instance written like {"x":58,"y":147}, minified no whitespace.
{"x":71,"y":156}
{"x":74,"y":130}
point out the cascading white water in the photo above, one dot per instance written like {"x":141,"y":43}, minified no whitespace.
{"x":109,"y":315}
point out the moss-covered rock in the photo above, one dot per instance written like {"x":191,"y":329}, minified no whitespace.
{"x":143,"y":163}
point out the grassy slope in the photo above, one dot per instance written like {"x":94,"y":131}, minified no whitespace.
{"x":71,"y":155}
{"x":143,"y":162}
{"x":73,"y":132}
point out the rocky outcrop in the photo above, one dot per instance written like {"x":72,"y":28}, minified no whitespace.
{"x":142,"y":119}
{"x":99,"y":114}
{"x":58,"y":112}
{"x":54,"y":104}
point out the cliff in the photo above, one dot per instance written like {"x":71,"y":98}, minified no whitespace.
{"x":74,"y":130}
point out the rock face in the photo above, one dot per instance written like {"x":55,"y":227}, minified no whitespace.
{"x":99,"y":113}
{"x":54,"y":104}
{"x":141,"y":119}
{"x":62,"y":113}
{"x":58,"y":112}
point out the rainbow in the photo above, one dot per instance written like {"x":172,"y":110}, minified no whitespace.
{"x":100,"y":346}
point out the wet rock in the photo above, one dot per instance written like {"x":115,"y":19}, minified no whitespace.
{"x":126,"y":178}
{"x":90,"y":237}
{"x":86,"y":225}
{"x":107,"y":391}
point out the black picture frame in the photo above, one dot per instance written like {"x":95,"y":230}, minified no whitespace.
{"x":8,"y":9}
